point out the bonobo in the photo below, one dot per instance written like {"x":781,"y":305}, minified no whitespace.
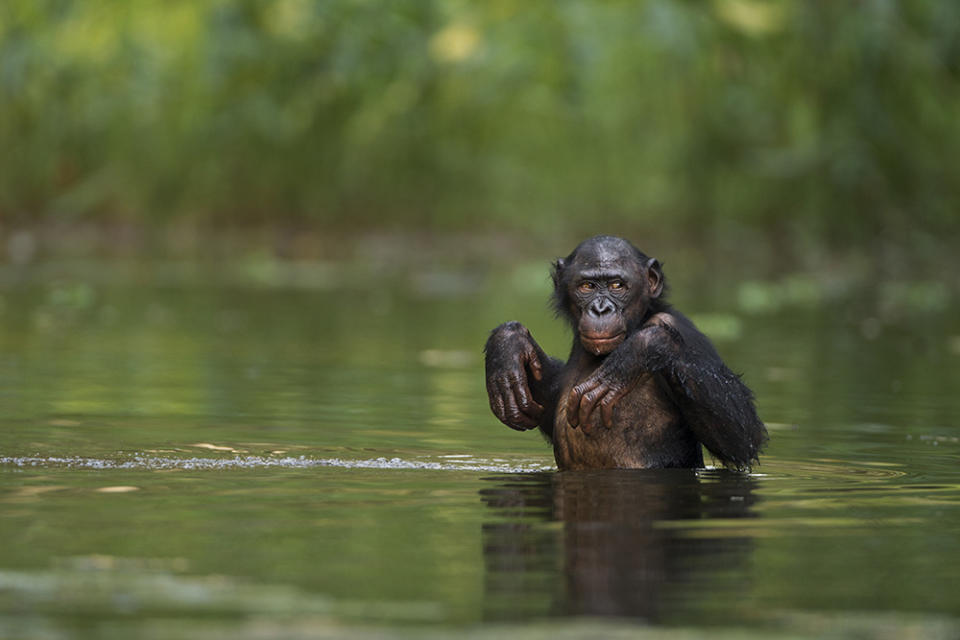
{"x":643,"y":388}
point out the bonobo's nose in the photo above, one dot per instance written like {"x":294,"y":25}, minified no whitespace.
{"x":601,"y":307}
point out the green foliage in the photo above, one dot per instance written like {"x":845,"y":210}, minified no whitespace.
{"x":837,"y":120}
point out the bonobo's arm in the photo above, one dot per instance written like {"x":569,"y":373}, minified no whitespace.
{"x":521,"y":379}
{"x":714,"y":402}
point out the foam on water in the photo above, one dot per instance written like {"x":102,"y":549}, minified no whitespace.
{"x":257,"y":462}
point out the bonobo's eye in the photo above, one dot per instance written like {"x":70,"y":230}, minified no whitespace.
{"x":617,"y":285}
{"x":586,"y":287}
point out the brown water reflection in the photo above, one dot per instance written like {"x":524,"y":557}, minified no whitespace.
{"x":605,"y":529}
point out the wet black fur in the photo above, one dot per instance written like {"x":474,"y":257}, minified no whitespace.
{"x":709,"y":401}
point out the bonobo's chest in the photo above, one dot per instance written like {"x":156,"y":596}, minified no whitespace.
{"x":647,"y":431}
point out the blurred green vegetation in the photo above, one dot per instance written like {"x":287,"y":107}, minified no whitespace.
{"x":832,"y":122}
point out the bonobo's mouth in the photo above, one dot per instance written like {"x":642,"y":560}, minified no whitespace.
{"x":600,"y":344}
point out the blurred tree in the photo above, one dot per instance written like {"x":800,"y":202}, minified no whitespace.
{"x":830,"y":121}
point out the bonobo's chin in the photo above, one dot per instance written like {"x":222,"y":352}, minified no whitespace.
{"x":600,"y":345}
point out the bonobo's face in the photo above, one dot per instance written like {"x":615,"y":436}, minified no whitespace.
{"x":608,"y":287}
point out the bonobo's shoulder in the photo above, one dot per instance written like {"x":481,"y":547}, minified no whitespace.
{"x":674,"y":323}
{"x":663,"y":319}
{"x":683,"y":330}
{"x":670,"y":320}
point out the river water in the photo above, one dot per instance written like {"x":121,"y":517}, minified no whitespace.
{"x":306,"y":450}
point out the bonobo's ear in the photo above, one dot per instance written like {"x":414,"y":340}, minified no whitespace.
{"x":654,"y":278}
{"x":557,"y":272}
{"x":560,"y":297}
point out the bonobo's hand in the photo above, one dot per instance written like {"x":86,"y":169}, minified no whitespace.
{"x":511,"y":354}
{"x":616,"y":376}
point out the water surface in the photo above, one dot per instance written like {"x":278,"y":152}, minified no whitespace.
{"x":307,"y":451}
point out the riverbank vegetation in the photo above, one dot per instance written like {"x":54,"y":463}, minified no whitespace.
{"x":800,"y":125}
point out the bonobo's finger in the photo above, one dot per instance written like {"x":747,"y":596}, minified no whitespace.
{"x":609,"y":402}
{"x":573,"y":402}
{"x":573,"y":407}
{"x":536,"y":369}
{"x":511,"y":415}
{"x":496,"y":402}
{"x":606,"y":408}
{"x":524,"y":397}
{"x":588,"y":403}
{"x":509,"y":406}
{"x":516,"y":419}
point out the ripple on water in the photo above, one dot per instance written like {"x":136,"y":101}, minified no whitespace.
{"x":140,"y":462}
{"x":828,"y":469}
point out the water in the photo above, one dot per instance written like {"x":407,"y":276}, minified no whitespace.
{"x":307,"y":451}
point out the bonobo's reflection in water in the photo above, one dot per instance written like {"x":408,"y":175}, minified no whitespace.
{"x":615,"y":543}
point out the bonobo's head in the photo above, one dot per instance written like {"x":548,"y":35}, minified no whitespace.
{"x":607,"y":288}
